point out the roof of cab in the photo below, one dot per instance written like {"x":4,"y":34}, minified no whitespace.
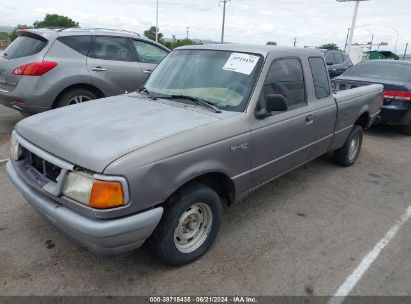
{"x":263,"y":50}
{"x":81,"y":31}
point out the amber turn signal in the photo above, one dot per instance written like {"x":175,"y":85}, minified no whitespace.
{"x":106,"y":194}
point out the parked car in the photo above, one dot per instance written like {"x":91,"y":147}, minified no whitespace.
{"x":396,"y":78}
{"x":212,"y":124}
{"x":337,"y":62}
{"x":50,"y":68}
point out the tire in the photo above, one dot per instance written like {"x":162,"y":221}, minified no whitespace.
{"x":406,"y":130}
{"x":348,"y":154}
{"x":74,"y":96}
{"x":187,"y":215}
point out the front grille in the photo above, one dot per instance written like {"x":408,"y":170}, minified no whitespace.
{"x":43,"y":167}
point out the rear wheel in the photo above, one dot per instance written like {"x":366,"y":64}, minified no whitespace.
{"x":189,"y":226}
{"x":348,"y":154}
{"x":74,"y":96}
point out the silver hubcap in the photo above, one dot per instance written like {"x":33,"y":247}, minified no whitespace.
{"x":354,"y":145}
{"x":193,"y":227}
{"x":78,"y":99}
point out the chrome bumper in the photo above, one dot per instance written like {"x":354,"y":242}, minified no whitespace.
{"x":103,"y":237}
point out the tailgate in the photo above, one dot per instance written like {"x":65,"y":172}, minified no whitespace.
{"x":27,"y":48}
{"x":354,"y":102}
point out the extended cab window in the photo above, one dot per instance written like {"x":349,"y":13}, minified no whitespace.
{"x":149,"y":53}
{"x":320,"y":77}
{"x":111,"y":48}
{"x":285,"y":77}
{"x":26,"y":45}
{"x":80,"y":44}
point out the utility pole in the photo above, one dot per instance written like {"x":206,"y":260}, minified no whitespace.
{"x":295,"y":41}
{"x":222,"y":29}
{"x":157,"y":22}
{"x":187,"y":31}
{"x":405,"y":52}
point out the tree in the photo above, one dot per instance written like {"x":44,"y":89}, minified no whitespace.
{"x":174,"y":44}
{"x":13,"y":34}
{"x":4,"y":36}
{"x":54,"y":20}
{"x":271,"y":43}
{"x":329,"y":46}
{"x":151,"y":34}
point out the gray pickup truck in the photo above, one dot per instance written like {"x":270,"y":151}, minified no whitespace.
{"x":212,"y":124}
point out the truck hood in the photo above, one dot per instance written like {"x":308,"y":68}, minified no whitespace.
{"x":95,"y":133}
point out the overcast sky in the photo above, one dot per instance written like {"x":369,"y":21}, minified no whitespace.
{"x":312,"y":22}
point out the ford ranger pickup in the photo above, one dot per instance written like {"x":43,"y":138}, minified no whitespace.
{"x":211,"y":124}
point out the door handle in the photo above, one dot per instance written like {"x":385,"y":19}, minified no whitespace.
{"x":309,"y":119}
{"x":98,"y":69}
{"x":147,"y":72}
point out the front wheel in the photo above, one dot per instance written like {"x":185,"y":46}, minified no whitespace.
{"x":348,"y":154}
{"x":189,"y":226}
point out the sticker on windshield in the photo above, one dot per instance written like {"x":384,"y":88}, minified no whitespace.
{"x":241,"y":63}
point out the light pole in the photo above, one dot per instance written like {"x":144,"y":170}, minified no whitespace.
{"x":354,"y":19}
{"x":157,"y":22}
{"x":222,"y":29}
{"x":372,"y":38}
{"x":398,"y":35}
{"x":348,"y":32}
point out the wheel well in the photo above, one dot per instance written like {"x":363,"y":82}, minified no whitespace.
{"x":363,"y":120}
{"x":219,"y":182}
{"x":85,"y":86}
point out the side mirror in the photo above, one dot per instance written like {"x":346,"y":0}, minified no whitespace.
{"x":330,"y":63}
{"x":276,"y":102}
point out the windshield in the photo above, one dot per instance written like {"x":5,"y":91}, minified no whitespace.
{"x":25,"y":45}
{"x":225,"y":79}
{"x":381,"y":70}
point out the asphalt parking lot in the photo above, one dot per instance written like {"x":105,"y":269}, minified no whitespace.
{"x":302,"y":234}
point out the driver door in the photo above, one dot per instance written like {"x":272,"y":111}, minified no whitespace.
{"x":282,"y":141}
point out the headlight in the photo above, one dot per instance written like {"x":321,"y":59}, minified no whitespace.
{"x":86,"y":189}
{"x":15,"y":148}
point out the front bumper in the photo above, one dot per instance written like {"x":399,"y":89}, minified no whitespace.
{"x":103,"y":237}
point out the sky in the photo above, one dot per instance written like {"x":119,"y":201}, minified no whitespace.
{"x":311,"y":22}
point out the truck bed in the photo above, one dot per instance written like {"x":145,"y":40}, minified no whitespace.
{"x":366,"y":100}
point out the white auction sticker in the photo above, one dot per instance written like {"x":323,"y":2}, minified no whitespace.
{"x":241,"y":63}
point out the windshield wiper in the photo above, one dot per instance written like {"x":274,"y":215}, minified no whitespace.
{"x":196,"y":100}
{"x":145,"y":90}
